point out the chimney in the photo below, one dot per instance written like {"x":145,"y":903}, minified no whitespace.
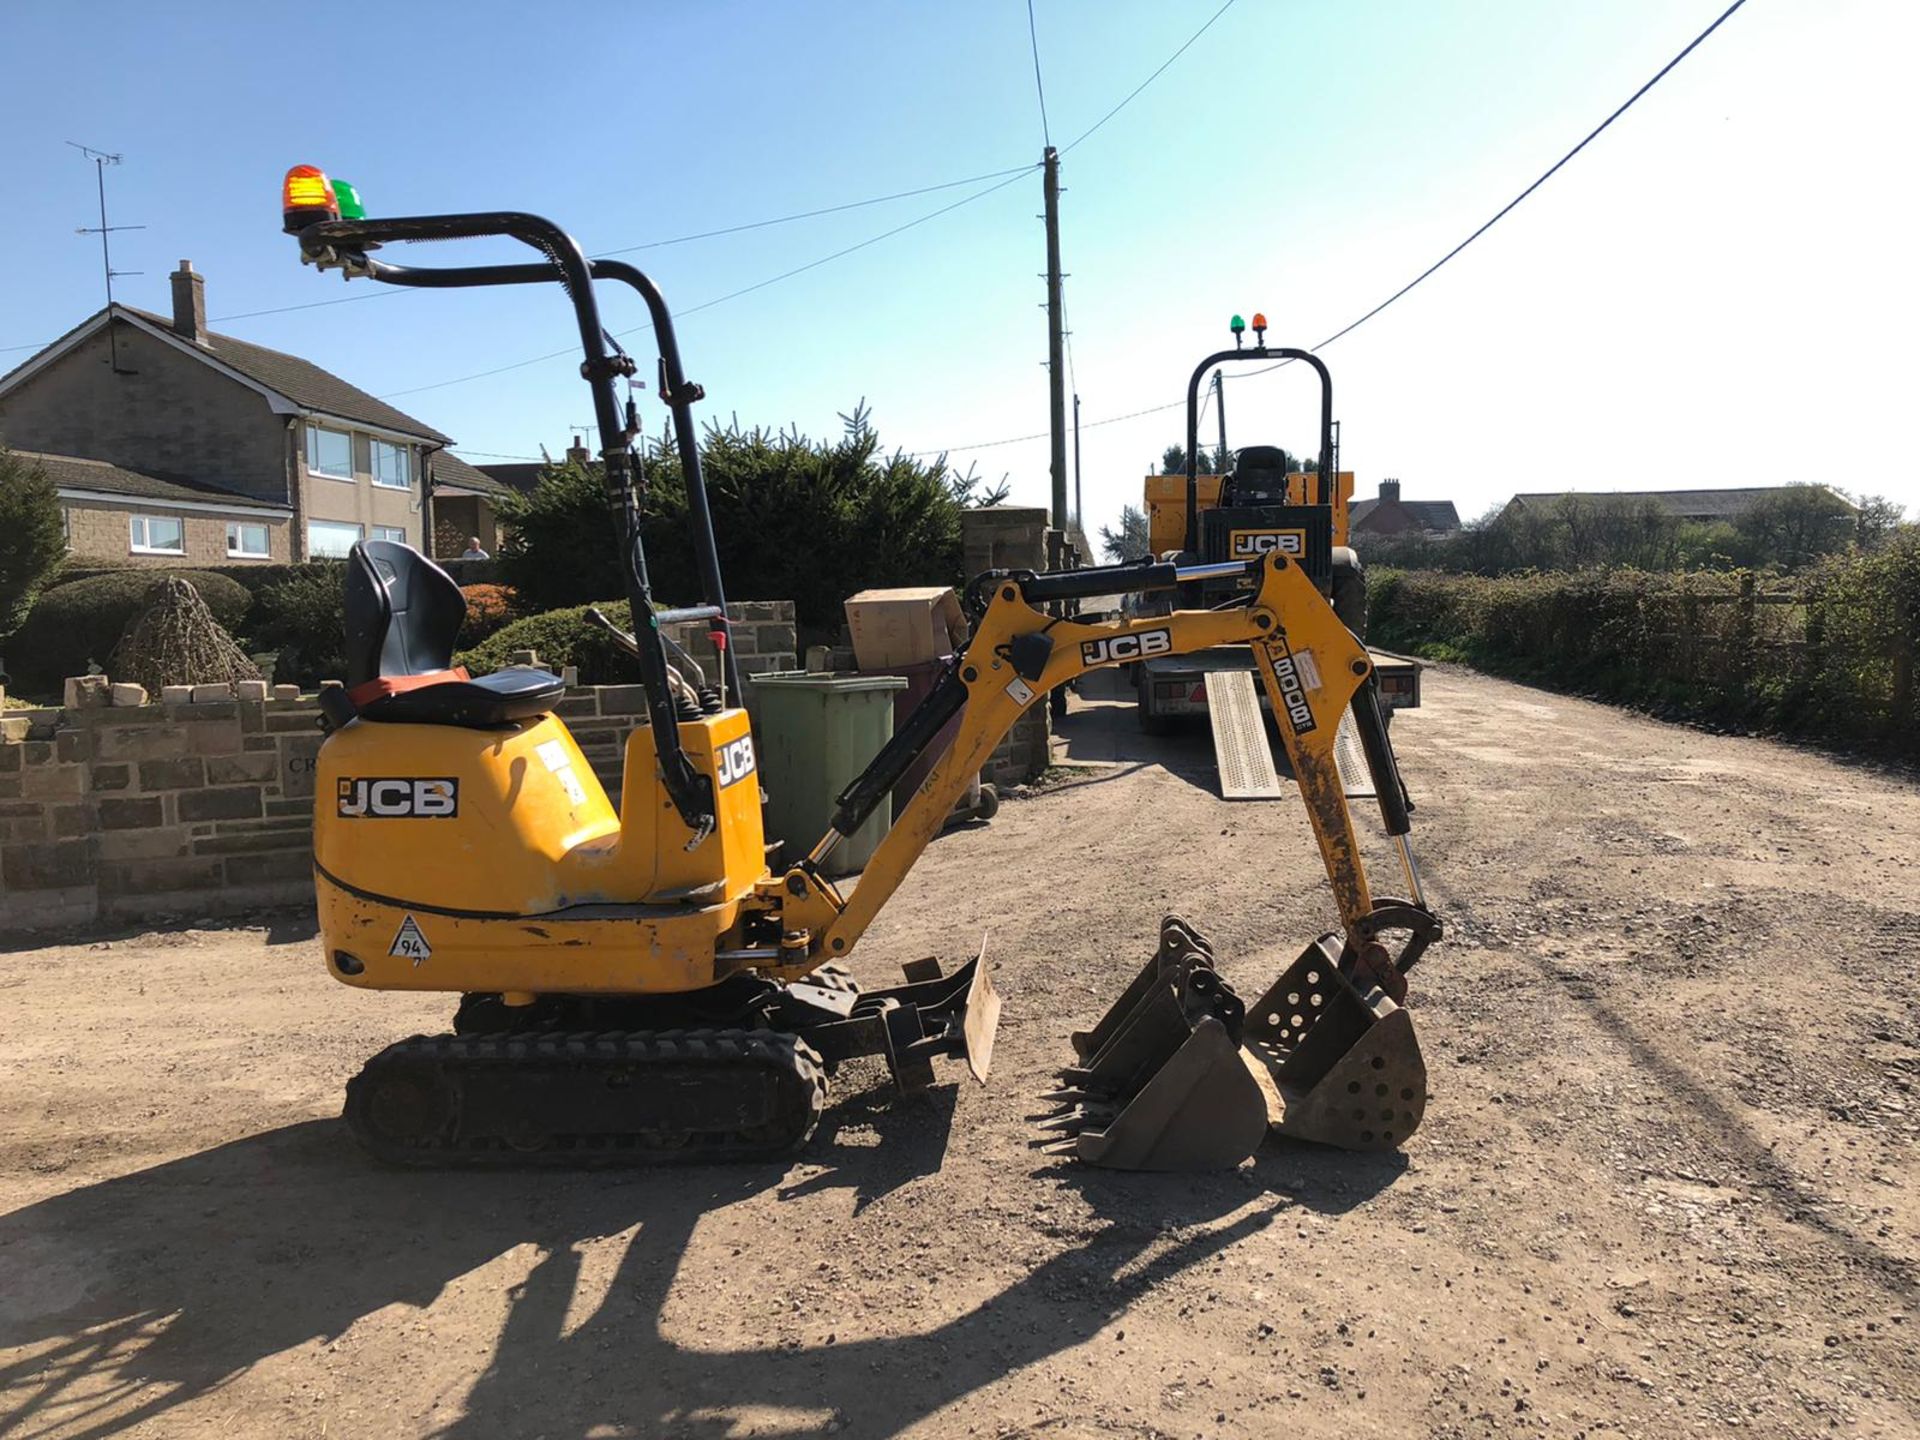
{"x":1389,"y":492}
{"x":189,"y":304}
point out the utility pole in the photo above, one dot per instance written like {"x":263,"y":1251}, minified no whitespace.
{"x":101,"y":159}
{"x":1079,"y":515}
{"x":1220,"y":409}
{"x":1056,"y":361}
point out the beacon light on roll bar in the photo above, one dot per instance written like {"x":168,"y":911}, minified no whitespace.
{"x":309,"y":197}
{"x":1239,"y":328}
{"x":1259,"y":326}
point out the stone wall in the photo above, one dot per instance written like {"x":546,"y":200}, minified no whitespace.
{"x":98,"y":530}
{"x":132,"y":812}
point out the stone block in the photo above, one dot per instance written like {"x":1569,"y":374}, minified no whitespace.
{"x":138,"y":742}
{"x":126,"y":694}
{"x":577,"y":705}
{"x":176,"y":694}
{"x":271,"y":865}
{"x":110,"y":777}
{"x":214,"y":737}
{"x":233,"y":802}
{"x":250,"y":689}
{"x":15,"y":728}
{"x":38,"y":752}
{"x":623,"y":700}
{"x":87,"y":692}
{"x":211,"y":694}
{"x":54,"y":782}
{"x":71,"y":746}
{"x":523,"y":657}
{"x":71,"y":821}
{"x":570,"y":675}
{"x":293,"y":807}
{"x":257,"y":766}
{"x":180,"y":772}
{"x":286,"y":692}
{"x":129,"y":813}
{"x":51,"y":866}
{"x":115,"y":845}
{"x":10,"y":786}
{"x":297,"y":759}
{"x":282,"y":721}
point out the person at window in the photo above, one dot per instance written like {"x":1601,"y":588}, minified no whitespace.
{"x":473,"y":550}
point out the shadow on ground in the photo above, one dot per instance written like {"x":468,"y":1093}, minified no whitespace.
{"x":138,"y":1294}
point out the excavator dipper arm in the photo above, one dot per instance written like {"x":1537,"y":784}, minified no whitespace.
{"x":1310,"y":663}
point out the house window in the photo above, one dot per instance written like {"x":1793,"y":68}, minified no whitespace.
{"x":392,"y":466}
{"x":157,"y":535}
{"x":330,"y":540}
{"x":390,"y":532}
{"x":246,"y":542}
{"x":329,"y":453}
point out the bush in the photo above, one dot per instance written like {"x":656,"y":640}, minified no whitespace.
{"x":79,"y":623}
{"x":304,"y":617}
{"x":33,"y":541}
{"x":1819,"y":657}
{"x":488,"y":608}
{"x":794,"y":519}
{"x":560,"y":637}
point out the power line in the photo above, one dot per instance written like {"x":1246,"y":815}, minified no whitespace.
{"x":1498,"y":216}
{"x":732,"y":294}
{"x":1039,"y":85}
{"x":1151,"y":78}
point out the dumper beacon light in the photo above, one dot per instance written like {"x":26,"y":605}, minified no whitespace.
{"x":308,"y":198}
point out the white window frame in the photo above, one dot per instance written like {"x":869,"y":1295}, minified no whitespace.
{"x":405,"y":454}
{"x":359,"y":533}
{"x":396,"y":533}
{"x":236,"y":540}
{"x":139,"y":531}
{"x":314,"y":431}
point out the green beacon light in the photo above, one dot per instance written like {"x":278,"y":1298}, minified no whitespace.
{"x":351,"y":206}
{"x":1239,"y":328}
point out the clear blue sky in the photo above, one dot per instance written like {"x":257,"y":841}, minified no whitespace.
{"x":1720,"y":291}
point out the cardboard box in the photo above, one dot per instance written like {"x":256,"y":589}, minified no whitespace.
{"x":905,"y":627}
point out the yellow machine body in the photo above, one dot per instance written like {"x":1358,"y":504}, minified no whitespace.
{"x":491,"y":860}
{"x":1167,"y":505}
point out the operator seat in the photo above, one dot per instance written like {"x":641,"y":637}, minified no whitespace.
{"x":1259,"y":477}
{"x":403,"y":614}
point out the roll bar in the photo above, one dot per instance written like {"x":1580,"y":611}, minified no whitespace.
{"x":343,"y":245}
{"x":1258,"y":352}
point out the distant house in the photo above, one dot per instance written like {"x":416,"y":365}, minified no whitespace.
{"x":1701,"y":505}
{"x":1390,"y":515}
{"x":172,"y":444}
{"x":463,"y":500}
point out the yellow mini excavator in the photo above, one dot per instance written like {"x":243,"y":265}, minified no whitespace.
{"x":637,"y":985}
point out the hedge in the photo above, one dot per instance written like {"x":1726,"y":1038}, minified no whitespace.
{"x":559,"y":637}
{"x":1829,"y":654}
{"x":78,"y":622}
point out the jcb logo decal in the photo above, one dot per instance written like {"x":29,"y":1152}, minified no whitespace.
{"x":1141,"y":645}
{"x":1293,"y":694}
{"x":735,"y":760}
{"x":1252,"y":544}
{"x":398,"y":799}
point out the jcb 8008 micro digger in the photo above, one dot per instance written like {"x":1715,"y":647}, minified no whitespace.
{"x":639,"y":986}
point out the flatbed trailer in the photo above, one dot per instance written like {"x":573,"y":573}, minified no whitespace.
{"x":1171,"y":687}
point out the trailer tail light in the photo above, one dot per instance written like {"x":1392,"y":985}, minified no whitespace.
{"x":307,"y":197}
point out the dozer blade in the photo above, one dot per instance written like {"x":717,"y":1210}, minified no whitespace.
{"x":1161,"y":1084}
{"x":1344,"y":1064}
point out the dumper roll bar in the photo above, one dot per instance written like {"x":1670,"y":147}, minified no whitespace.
{"x":343,"y":245}
{"x":1258,"y":352}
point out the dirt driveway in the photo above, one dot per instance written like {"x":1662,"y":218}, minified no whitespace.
{"x":1667,"y":1183}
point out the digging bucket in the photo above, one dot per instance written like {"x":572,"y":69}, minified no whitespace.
{"x":1179,"y":1075}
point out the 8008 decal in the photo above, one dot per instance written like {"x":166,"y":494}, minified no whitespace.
{"x":1293,"y":693}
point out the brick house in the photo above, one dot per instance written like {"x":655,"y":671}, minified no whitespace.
{"x":1390,"y":515}
{"x":173,"y":444}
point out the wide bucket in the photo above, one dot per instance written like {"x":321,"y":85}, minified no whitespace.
{"x":1180,"y":1075}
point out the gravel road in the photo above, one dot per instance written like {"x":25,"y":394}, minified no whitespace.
{"x":1667,"y":1184}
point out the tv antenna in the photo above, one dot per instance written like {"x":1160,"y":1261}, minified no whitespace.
{"x":101,"y":159}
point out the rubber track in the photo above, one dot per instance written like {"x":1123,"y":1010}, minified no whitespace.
{"x":448,"y":1059}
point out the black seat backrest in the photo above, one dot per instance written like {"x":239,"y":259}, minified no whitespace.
{"x":1259,"y":474}
{"x":403,"y":612}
